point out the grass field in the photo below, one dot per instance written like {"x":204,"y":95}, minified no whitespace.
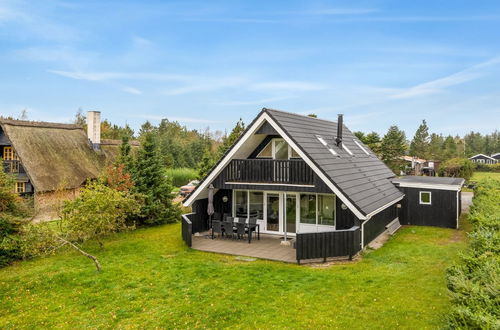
{"x":485,"y":175}
{"x":150,"y":279}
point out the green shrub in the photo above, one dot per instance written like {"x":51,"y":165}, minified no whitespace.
{"x":457,"y":168}
{"x":488,"y":167}
{"x":181,"y":176}
{"x":475,"y":281}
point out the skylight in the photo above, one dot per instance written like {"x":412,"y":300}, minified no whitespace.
{"x":347,"y":149}
{"x":323,"y":142}
{"x":361,"y":147}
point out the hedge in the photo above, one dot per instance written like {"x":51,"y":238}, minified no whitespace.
{"x":488,"y":167}
{"x":474,"y":282}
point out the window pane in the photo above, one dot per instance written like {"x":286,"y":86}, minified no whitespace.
{"x":280,"y":149}
{"x":257,"y":204}
{"x":326,"y":209}
{"x":425,"y":197}
{"x":241,"y":203}
{"x":267,"y":152}
{"x":294,"y":154}
{"x":308,"y":208}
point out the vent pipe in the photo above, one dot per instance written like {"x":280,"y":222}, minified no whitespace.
{"x":339,"y":130}
{"x":94,"y":128}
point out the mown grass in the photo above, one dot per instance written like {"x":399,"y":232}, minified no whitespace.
{"x":150,"y":279}
{"x":479,"y":176}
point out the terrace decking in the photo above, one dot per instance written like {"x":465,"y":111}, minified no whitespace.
{"x":268,"y":247}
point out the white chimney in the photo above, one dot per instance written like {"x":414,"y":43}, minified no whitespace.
{"x":94,"y":128}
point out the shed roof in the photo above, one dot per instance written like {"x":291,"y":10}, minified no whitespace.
{"x":429,"y":181}
{"x":361,"y":177}
{"x":57,"y":155}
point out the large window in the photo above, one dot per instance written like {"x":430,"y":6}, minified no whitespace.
{"x":326,"y":210}
{"x":317,"y":209}
{"x":308,"y":208}
{"x":9,"y":154}
{"x":278,"y":149}
{"x":256,"y":204}
{"x":241,"y":203}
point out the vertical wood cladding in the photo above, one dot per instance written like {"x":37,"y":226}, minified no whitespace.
{"x":376,"y":225}
{"x":442,"y":212}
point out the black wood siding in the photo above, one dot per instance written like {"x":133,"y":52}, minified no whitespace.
{"x":376,"y":225}
{"x":441,"y":213}
{"x":345,"y":219}
{"x":341,"y":243}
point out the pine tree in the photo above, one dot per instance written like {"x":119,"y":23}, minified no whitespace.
{"x":419,"y":146}
{"x":449,"y":148}
{"x":436,"y":147}
{"x":393,"y":146}
{"x":229,"y":140}
{"x":125,"y":156}
{"x":151,"y":181}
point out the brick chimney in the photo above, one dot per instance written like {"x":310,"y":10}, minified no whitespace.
{"x":94,"y":128}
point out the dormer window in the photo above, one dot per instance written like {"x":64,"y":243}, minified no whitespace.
{"x":278,"y":149}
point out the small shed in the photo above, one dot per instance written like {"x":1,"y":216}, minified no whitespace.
{"x":430,"y":201}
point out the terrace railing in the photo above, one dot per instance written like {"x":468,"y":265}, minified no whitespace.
{"x":293,"y":171}
{"x":338,"y":243}
{"x":192,"y":223}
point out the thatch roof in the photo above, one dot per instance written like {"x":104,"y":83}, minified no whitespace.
{"x":57,"y":155}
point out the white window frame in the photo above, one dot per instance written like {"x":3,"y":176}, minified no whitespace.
{"x":273,"y":149}
{"x":317,"y":210}
{"x":420,"y":198}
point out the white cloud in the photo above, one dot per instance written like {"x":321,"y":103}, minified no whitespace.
{"x":110,"y":75}
{"x":132,"y":90}
{"x":254,"y":102}
{"x":438,"y":85}
{"x":297,"y":86}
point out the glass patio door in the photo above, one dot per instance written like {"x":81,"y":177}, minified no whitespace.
{"x":273,"y":212}
{"x":290,"y":213}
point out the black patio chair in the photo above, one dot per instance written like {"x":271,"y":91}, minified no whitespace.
{"x":228,"y":229}
{"x":216,"y":228}
{"x":252,"y":225}
{"x":240,"y":229}
{"x":225,"y":216}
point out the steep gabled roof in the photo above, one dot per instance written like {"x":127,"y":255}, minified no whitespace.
{"x":56,"y":155}
{"x":360,"y":179}
{"x":482,"y":155}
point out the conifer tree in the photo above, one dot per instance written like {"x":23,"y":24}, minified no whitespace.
{"x":151,"y":181}
{"x":449,"y":148}
{"x":229,"y":140}
{"x":393,"y":146}
{"x":125,"y":156}
{"x":419,"y":146}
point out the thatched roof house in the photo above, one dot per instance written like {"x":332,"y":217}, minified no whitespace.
{"x":52,"y":156}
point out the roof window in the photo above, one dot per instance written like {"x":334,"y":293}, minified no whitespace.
{"x":361,"y":147}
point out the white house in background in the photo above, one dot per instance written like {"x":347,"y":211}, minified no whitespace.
{"x":483,"y":159}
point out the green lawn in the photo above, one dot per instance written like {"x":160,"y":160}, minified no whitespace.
{"x":150,"y":279}
{"x":477,"y":176}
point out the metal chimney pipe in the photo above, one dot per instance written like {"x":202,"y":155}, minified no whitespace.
{"x":339,"y":129}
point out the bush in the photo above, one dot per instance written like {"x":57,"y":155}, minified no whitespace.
{"x":488,"y":167}
{"x":474,"y":282}
{"x":457,"y":168}
{"x":181,"y":176}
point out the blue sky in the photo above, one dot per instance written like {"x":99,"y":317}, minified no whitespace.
{"x":207,"y":63}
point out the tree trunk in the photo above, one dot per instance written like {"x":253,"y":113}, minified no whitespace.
{"x":94,"y":259}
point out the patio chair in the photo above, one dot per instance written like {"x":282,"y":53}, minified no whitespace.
{"x":216,"y":228}
{"x":251,"y":225}
{"x":228,"y":228}
{"x":217,"y":216}
{"x":225,"y":216}
{"x":240,"y":229}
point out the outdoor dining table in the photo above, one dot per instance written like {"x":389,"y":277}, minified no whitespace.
{"x":250,"y":226}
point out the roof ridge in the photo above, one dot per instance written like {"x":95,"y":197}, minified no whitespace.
{"x":41,"y":124}
{"x":299,"y":115}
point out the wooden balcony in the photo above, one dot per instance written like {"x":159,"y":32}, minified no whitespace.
{"x":294,"y":171}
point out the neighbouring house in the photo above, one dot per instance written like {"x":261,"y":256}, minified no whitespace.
{"x":306,"y":178}
{"x":51,"y":161}
{"x":496,"y":156}
{"x":419,"y":166}
{"x":484,"y":159}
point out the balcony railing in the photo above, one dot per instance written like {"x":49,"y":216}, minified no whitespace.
{"x":13,"y":166}
{"x":294,"y":171}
